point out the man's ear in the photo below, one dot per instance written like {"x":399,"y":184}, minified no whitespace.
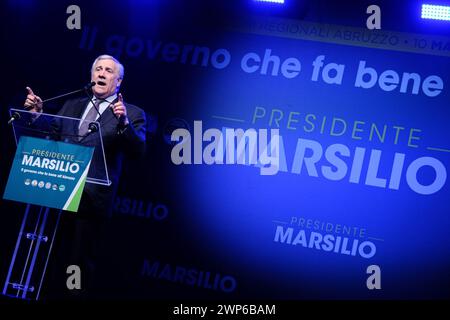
{"x":119,"y":82}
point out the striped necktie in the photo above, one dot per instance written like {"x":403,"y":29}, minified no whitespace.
{"x":91,"y":115}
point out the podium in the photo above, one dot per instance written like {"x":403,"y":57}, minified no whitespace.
{"x":37,"y":233}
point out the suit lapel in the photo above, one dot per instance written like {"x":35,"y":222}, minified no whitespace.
{"x":107,"y":115}
{"x":76,"y":112}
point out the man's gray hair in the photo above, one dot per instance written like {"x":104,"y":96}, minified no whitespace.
{"x":106,"y":56}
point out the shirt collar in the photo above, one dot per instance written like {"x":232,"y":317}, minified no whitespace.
{"x":109,"y":99}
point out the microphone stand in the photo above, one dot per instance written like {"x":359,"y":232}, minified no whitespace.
{"x":92,"y":126}
{"x":16,"y":115}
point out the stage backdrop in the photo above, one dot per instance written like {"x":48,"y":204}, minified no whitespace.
{"x":364,"y":154}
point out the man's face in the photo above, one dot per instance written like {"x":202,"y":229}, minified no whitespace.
{"x":106,"y":76}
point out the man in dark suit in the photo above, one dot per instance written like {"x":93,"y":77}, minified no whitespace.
{"x":123,"y":128}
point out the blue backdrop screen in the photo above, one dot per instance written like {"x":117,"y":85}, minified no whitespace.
{"x":363,"y":166}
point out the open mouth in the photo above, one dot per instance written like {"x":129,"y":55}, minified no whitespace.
{"x":101,"y":83}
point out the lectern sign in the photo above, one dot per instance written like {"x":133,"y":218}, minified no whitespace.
{"x":48,"y":173}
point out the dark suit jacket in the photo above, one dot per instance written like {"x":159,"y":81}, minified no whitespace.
{"x":117,"y":141}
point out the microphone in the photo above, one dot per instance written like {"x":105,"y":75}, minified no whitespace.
{"x":93,"y":127}
{"x":89,"y":85}
{"x":16,"y":115}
